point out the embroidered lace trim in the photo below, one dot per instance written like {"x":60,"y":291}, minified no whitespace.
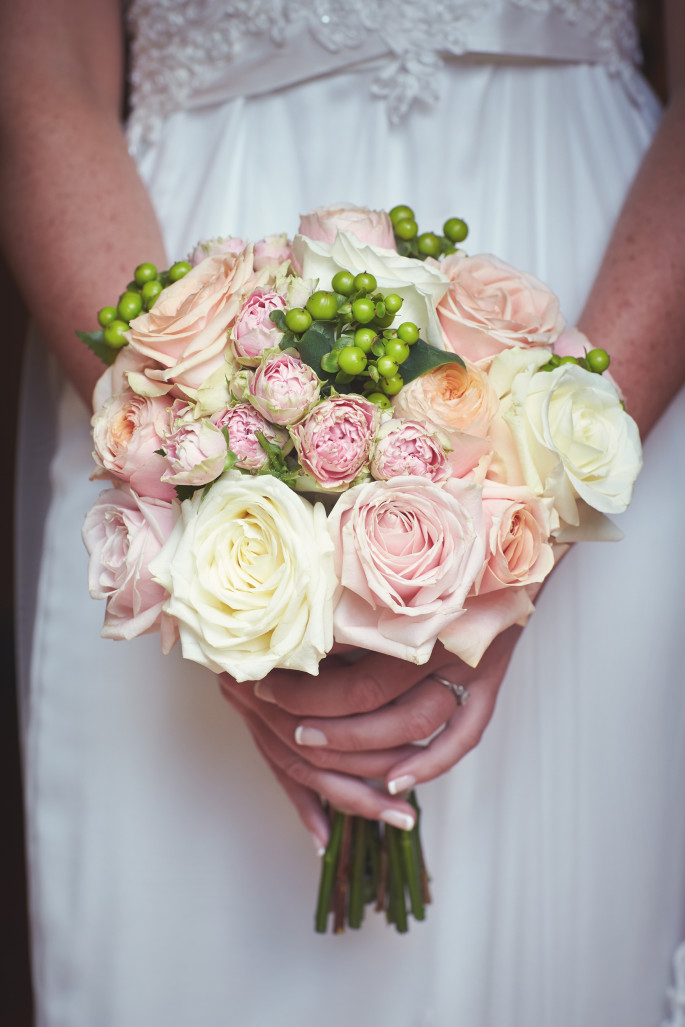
{"x":181,"y":46}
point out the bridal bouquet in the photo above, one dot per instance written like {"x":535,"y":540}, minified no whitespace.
{"x":362,"y":435}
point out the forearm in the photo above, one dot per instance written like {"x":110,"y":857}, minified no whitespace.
{"x":636,"y":309}
{"x":75,"y":215}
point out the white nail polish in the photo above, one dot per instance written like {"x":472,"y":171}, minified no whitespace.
{"x":320,"y":849}
{"x":397,"y":819}
{"x":310,"y":736}
{"x":401,"y":784}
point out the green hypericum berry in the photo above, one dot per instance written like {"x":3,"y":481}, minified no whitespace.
{"x":568,"y":360}
{"x":400,"y":213}
{"x":343,"y":282}
{"x":178,"y":270}
{"x":429,"y":244}
{"x":393,"y":302}
{"x":597,"y":360}
{"x":129,"y":306}
{"x":379,"y":398}
{"x":397,"y":350}
{"x":363,"y":310}
{"x":150,"y":291}
{"x":114,"y":334}
{"x":408,"y":332}
{"x":322,"y":305}
{"x":364,"y":282}
{"x":298,"y":320}
{"x":364,"y":339}
{"x":455,"y":229}
{"x":387,"y":367}
{"x":406,"y":229}
{"x":144,"y":273}
{"x":105,"y":315}
{"x":391,"y":386}
{"x":352,"y":360}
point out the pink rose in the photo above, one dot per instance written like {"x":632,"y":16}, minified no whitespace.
{"x":283,"y":388}
{"x":243,"y":422}
{"x":213,"y":247}
{"x":408,"y":447}
{"x":122,"y":533}
{"x":490,"y":306}
{"x":518,"y":527}
{"x":253,"y":331}
{"x":334,"y":440}
{"x":407,"y":553}
{"x":196,"y":453}
{"x":369,"y":226}
{"x":271,"y":251}
{"x":185,"y":332}
{"x":127,"y":431}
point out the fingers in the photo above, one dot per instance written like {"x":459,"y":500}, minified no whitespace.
{"x":342,"y":688}
{"x":413,"y":717}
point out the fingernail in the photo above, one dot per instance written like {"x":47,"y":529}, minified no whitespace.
{"x":401,"y":784}
{"x":397,"y":819}
{"x":320,"y":849}
{"x":310,"y":736}
{"x":263,"y":690}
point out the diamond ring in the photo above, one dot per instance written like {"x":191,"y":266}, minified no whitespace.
{"x":460,"y":692}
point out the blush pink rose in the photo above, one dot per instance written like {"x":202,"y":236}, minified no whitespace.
{"x":212,"y":247}
{"x":127,"y":432}
{"x":283,"y":388}
{"x":122,"y":533}
{"x":518,"y":528}
{"x":243,"y":422}
{"x":407,"y":553}
{"x":196,"y":453}
{"x":271,"y":251}
{"x":185,"y":332}
{"x":491,"y":306}
{"x":369,"y":226}
{"x":253,"y":331}
{"x":334,"y":440}
{"x":408,"y":447}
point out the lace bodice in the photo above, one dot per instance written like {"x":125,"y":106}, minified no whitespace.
{"x":188,"y":53}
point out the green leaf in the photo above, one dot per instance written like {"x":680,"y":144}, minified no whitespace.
{"x":96,"y":342}
{"x":329,"y":362}
{"x":424,"y":357}
{"x":276,"y":463}
{"x":186,"y":491}
{"x":278,"y":318}
{"x":342,"y":378}
{"x":289,"y":341}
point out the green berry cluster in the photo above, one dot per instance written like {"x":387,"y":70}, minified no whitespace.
{"x":139,"y":296}
{"x":596,"y":360}
{"x":412,"y":243}
{"x":364,"y":349}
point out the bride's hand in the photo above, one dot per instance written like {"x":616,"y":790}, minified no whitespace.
{"x":367,"y":716}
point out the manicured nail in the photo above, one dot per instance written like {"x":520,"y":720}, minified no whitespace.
{"x":320,"y":849}
{"x":397,"y":819}
{"x":264,"y":691}
{"x":310,"y":736}
{"x":401,"y":784}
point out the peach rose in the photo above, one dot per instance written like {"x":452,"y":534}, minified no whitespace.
{"x":185,"y":332}
{"x":369,"y":226}
{"x":450,"y":397}
{"x":127,"y":433}
{"x":518,"y":527}
{"x":491,"y":306}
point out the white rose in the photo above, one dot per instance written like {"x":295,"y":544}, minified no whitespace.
{"x":574,"y":439}
{"x":249,"y":569}
{"x":420,"y":285}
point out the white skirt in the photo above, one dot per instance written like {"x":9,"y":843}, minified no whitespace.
{"x":171,"y":882}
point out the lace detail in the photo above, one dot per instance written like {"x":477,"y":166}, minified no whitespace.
{"x":676,"y":995}
{"x":181,"y":48}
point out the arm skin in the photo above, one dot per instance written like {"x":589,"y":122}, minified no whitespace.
{"x":76,"y":219}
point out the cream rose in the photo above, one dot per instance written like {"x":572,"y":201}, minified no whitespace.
{"x":185,"y":332}
{"x":420,"y":285}
{"x":491,"y":305}
{"x":573,"y":439}
{"x":249,"y":569}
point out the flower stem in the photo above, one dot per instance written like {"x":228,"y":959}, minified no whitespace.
{"x":397,"y":902}
{"x":355,"y":913}
{"x":329,"y":866}
{"x":342,"y":876}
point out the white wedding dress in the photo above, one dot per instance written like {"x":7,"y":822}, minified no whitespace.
{"x":171,"y":882}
